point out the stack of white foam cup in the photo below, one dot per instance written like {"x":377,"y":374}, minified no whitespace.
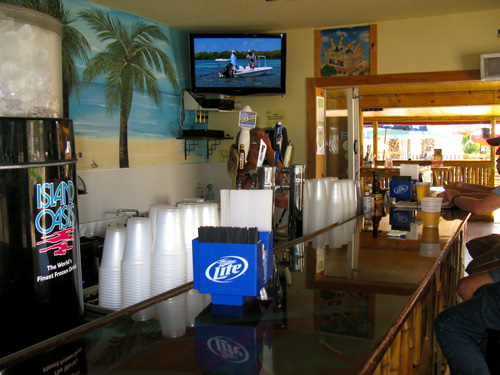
{"x":136,"y":265}
{"x":110,"y":294}
{"x":335,"y":213}
{"x":317,"y":211}
{"x":153,"y":211}
{"x":209,"y":214}
{"x":353,"y":205}
{"x":191,"y":214}
{"x":168,"y":260}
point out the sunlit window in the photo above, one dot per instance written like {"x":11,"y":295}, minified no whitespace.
{"x":419,"y":142}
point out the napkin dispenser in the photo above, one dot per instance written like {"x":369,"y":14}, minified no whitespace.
{"x":232,"y":272}
{"x":402,"y":188}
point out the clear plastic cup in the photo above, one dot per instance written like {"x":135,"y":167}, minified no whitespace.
{"x":210,"y":214}
{"x":423,"y":190}
{"x":139,"y":240}
{"x":195,"y":303}
{"x":191,"y":214}
{"x":318,"y":190}
{"x":110,"y":295}
{"x":431,"y":211}
{"x":172,"y":316}
{"x":113,"y":247}
{"x":335,"y":191}
{"x":169,"y":236}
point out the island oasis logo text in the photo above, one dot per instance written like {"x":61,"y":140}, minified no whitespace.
{"x":226,"y":269}
{"x":55,"y":220}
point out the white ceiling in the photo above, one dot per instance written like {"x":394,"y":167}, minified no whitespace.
{"x":276,"y":15}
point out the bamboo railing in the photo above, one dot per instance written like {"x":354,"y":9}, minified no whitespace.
{"x":470,"y":171}
{"x":414,"y":350}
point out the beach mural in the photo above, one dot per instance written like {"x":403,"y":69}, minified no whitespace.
{"x":128,"y":117}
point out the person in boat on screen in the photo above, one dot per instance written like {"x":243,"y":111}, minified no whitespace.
{"x":228,"y":71}
{"x":234,"y":61}
{"x":462,"y":330}
{"x":251,"y":59}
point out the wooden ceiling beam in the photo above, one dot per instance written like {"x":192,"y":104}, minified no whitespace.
{"x":438,"y":99}
{"x":452,"y":76}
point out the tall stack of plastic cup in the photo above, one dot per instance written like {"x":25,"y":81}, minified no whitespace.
{"x":153,"y":211}
{"x":209,"y":214}
{"x":136,"y":264}
{"x":317,"y":211}
{"x":305,"y":208}
{"x":172,"y":316}
{"x":335,"y":213}
{"x":191,"y":214}
{"x":353,"y":207}
{"x":110,"y":293}
{"x":351,"y":197}
{"x":168,"y":260}
{"x":347,"y":210}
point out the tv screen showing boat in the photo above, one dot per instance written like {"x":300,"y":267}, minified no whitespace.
{"x":238,"y":64}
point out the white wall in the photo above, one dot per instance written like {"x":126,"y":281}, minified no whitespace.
{"x":138,"y":188}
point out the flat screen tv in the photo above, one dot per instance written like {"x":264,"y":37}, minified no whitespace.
{"x":260,"y":66}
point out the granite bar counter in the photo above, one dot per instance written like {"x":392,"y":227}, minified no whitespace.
{"x":358,"y":305}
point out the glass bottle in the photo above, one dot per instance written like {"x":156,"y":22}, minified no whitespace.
{"x":377,"y":192}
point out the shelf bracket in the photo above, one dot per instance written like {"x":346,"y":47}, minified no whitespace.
{"x":188,"y":147}
{"x":212,"y":147}
{"x":191,"y":143}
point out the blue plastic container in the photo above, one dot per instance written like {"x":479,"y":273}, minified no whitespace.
{"x":232,"y":272}
{"x":401,"y":190}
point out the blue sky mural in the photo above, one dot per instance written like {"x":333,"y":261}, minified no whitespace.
{"x":146,"y":121}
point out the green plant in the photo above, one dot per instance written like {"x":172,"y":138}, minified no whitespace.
{"x":468,"y":146}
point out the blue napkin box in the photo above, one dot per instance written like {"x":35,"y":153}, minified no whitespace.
{"x":232,"y":272}
{"x":401,"y":190}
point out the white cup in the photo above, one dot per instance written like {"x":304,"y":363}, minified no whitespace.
{"x":172,"y":316}
{"x":113,"y":247}
{"x":139,"y":240}
{"x":209,"y":214}
{"x":169,"y":237}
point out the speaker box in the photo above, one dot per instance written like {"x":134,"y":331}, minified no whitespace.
{"x":490,"y":67}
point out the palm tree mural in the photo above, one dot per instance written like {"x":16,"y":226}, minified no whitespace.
{"x":129,"y":62}
{"x":74,"y":44}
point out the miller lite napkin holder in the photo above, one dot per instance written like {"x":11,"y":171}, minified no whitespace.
{"x":232,"y":272}
{"x":402,"y":189}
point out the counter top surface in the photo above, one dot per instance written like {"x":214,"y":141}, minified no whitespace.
{"x":328,"y":317}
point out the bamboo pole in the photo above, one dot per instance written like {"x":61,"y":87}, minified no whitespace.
{"x":417,"y":335}
{"x":395,"y":354}
{"x":406,"y":349}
